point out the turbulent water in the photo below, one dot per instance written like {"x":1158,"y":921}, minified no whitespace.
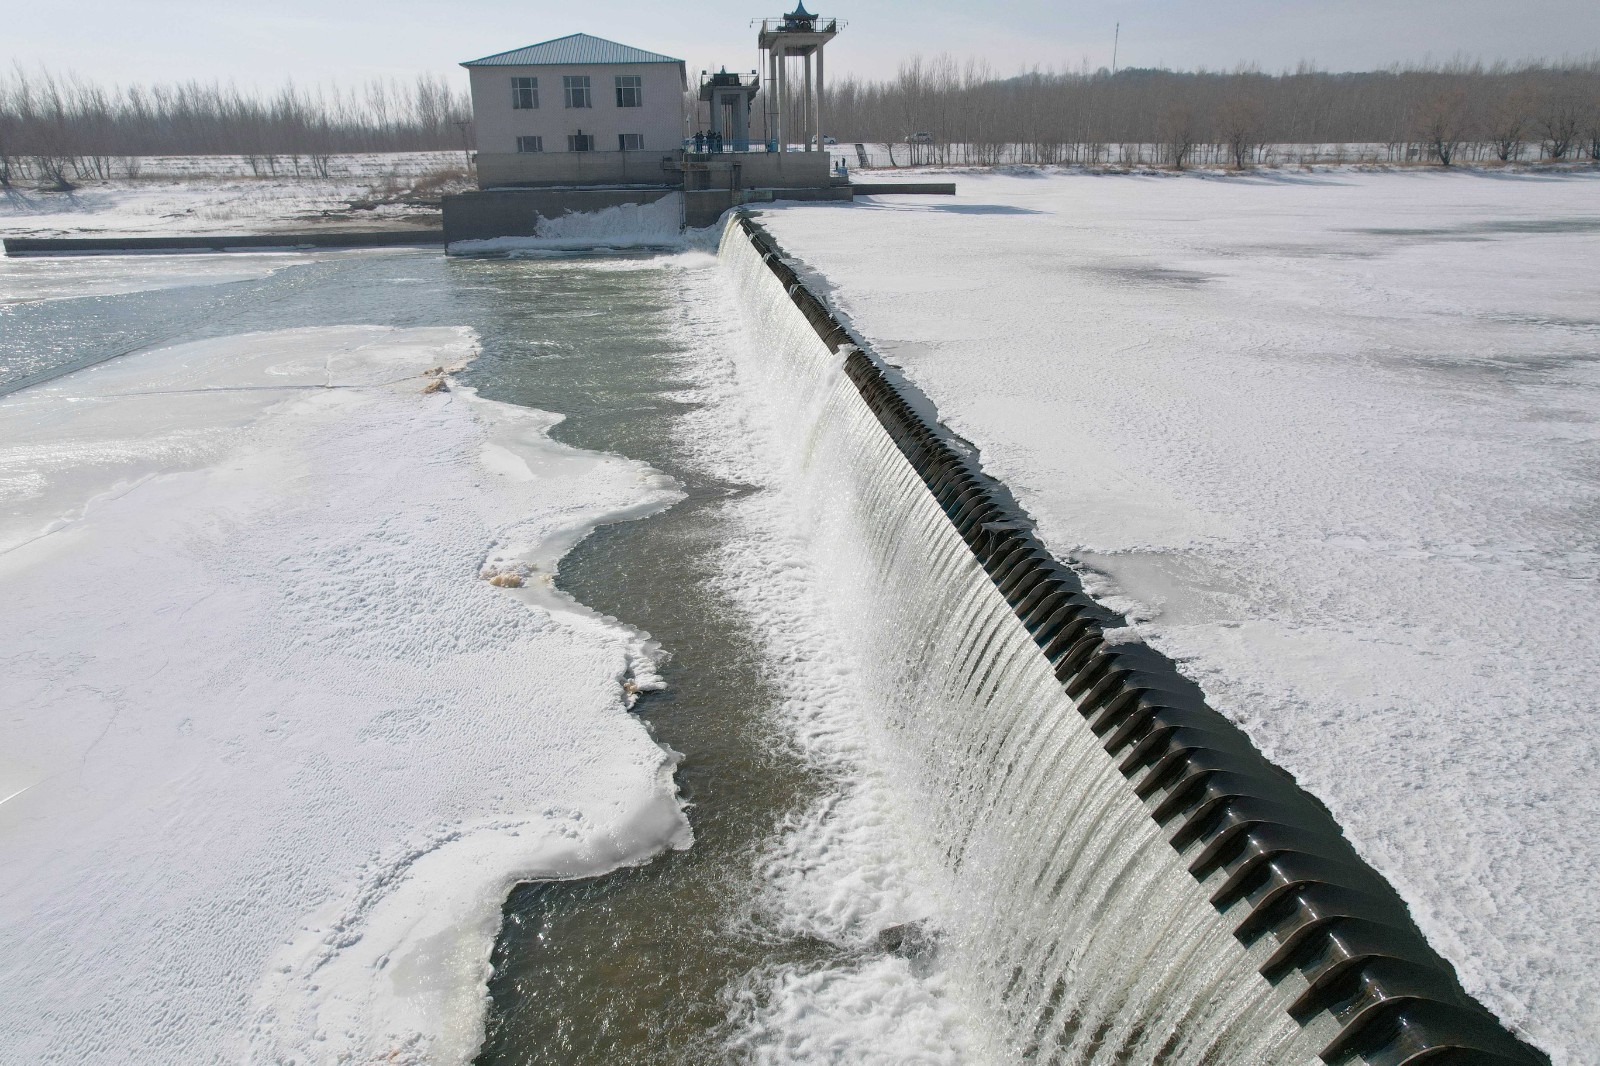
{"x":1068,"y":916}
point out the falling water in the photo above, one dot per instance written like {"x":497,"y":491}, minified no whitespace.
{"x":1073,"y":921}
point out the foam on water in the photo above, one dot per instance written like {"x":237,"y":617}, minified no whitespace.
{"x":653,"y":225}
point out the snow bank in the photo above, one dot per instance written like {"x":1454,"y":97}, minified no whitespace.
{"x":653,"y":225}
{"x":276,"y":749}
{"x":1333,"y":440}
{"x":199,"y":204}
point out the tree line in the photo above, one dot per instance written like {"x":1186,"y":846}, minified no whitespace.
{"x":59,"y":129}
{"x":941,"y":111}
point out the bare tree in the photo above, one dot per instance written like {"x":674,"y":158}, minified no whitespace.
{"x":1239,"y":124}
{"x":56,"y":128}
{"x":1591,"y":125}
{"x":1091,"y":116}
{"x":1179,"y":132}
{"x":912,"y":93}
{"x":1560,"y":118}
{"x":8,"y":138}
{"x":1441,"y":124}
{"x":1507,"y":123}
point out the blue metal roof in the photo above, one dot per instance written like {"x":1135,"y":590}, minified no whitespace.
{"x":574,"y":50}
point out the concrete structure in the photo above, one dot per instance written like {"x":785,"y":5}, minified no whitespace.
{"x":794,"y":109}
{"x":498,"y":170}
{"x":729,"y":97}
{"x":577,"y":95}
{"x":481,"y":216}
{"x":580,"y":124}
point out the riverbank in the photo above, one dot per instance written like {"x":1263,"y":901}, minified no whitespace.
{"x":191,"y":195}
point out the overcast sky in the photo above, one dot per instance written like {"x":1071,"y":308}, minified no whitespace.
{"x":263,"y":42}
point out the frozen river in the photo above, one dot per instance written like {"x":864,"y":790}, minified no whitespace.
{"x":1333,"y":440}
{"x":315,"y":659}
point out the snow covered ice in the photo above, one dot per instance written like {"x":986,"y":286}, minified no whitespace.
{"x":30,"y":280}
{"x":221,"y":194}
{"x":275,"y":749}
{"x":1333,"y":439}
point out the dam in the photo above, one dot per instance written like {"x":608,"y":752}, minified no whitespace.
{"x":574,"y":575}
{"x":947,"y":807}
{"x":1122,"y":877}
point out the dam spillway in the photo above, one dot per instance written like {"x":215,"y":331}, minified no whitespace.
{"x":1065,"y":921}
{"x":1134,"y":882}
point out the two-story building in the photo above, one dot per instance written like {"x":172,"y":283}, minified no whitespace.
{"x":580,"y":124}
{"x":578,"y":109}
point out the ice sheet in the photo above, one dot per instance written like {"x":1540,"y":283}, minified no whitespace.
{"x":1334,"y":439}
{"x":32,"y":279}
{"x":276,"y":748}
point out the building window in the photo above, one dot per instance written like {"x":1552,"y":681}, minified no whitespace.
{"x":630,"y":90}
{"x":630,"y":142}
{"x":580,"y":142}
{"x":530,"y":144}
{"x":524,"y":93}
{"x":577,"y":87}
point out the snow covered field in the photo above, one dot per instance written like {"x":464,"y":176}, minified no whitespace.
{"x":276,"y":745}
{"x":1334,"y":440}
{"x":219,"y":194}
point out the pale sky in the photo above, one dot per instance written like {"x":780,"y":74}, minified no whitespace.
{"x":263,"y":42}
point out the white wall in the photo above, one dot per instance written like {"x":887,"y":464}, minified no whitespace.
{"x":660,"y":120}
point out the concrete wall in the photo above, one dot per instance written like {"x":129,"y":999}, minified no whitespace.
{"x":221,"y":242}
{"x":499,"y":169}
{"x":701,"y":209}
{"x":757,"y":170}
{"x":475,"y":216}
{"x":660,"y":119}
{"x":783,"y":170}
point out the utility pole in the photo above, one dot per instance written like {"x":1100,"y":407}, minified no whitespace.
{"x":466,"y":142}
{"x":1116,"y":39}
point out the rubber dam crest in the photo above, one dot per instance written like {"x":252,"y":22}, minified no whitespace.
{"x":1168,"y":894}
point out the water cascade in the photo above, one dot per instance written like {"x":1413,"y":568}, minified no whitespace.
{"x":1132,"y":882}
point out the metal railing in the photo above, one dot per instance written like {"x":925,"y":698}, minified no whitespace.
{"x":818,"y":25}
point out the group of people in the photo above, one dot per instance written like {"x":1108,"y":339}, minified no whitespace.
{"x":707,"y":142}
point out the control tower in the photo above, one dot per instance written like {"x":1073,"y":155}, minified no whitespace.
{"x":791,"y":115}
{"x":729,"y":96}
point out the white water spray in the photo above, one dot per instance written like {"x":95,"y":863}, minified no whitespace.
{"x":1072,"y":923}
